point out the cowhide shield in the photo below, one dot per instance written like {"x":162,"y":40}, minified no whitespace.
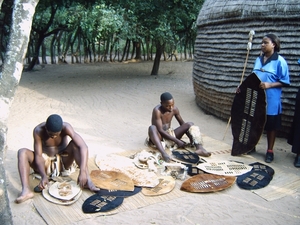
{"x":248,"y":115}
{"x":118,"y":193}
{"x":254,"y":179}
{"x":224,"y":168}
{"x":260,"y":166}
{"x":185,"y":156}
{"x":166,"y":185}
{"x":207,"y":183}
{"x":112,"y":180}
{"x":97,"y":203}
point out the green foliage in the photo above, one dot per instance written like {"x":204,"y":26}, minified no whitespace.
{"x":164,"y":21}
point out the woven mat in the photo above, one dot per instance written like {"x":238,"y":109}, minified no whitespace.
{"x":216,"y":147}
{"x":282,"y":184}
{"x":58,"y":214}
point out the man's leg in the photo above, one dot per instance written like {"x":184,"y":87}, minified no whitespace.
{"x":183,"y":129}
{"x":73,"y":153}
{"x":180,"y":131}
{"x":25,"y":161}
{"x":156,"y":140}
{"x":271,"y":135}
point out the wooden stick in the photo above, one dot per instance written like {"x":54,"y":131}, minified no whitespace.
{"x":249,"y":46}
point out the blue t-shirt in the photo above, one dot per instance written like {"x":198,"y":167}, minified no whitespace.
{"x":274,"y":70}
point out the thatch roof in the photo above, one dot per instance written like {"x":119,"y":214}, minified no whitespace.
{"x":221,"y":49}
{"x":221,"y":10}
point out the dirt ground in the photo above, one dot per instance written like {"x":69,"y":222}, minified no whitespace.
{"x":110,"y":105}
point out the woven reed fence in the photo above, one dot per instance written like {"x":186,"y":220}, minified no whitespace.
{"x":221,"y":49}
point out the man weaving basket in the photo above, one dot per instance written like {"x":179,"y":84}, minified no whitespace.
{"x":51,"y":139}
{"x":161,"y":135}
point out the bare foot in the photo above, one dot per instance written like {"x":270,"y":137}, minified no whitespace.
{"x":202,"y":152}
{"x":90,"y":185}
{"x":24,"y":197}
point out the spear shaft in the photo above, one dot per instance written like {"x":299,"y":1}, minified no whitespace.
{"x":249,"y":46}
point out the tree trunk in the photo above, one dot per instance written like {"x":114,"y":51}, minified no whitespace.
{"x":94,"y":50}
{"x":5,"y":21}
{"x":138,"y":52}
{"x":72,"y":44}
{"x":78,"y":51}
{"x":185,"y":49}
{"x":9,"y":80}
{"x":159,"y":51}
{"x":59,"y":51}
{"x":99,"y":50}
{"x":116,"y":48}
{"x":28,"y":54}
{"x":125,"y":49}
{"x":86,"y":51}
{"x":147,"y":49}
{"x":72,"y":54}
{"x":67,"y":46}
{"x":128,"y":50}
{"x":111,"y":48}
{"x":106,"y":50}
{"x":52,"y":49}
{"x":151,"y":50}
{"x":44,"y":55}
{"x":13,"y":64}
{"x":35,"y":58}
{"x":143,"y":47}
{"x":133,"y":49}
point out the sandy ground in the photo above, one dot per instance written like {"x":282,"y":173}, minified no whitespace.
{"x":110,"y":105}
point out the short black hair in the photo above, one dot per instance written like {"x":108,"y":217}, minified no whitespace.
{"x":165,"y":97}
{"x":54,"y":123}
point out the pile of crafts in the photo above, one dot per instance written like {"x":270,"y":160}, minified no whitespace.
{"x":145,"y":172}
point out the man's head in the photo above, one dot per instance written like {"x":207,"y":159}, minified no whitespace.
{"x":54,"y":124}
{"x":165,"y":97}
{"x":167,"y":101}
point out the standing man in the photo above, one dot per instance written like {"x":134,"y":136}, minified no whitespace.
{"x":161,"y":131}
{"x":51,"y":139}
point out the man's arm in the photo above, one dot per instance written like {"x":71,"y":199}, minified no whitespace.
{"x":83,"y":151}
{"x":178,"y":116}
{"x":266,"y":85}
{"x":78,"y":140}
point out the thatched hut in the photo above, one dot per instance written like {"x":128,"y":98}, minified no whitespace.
{"x":221,"y":49}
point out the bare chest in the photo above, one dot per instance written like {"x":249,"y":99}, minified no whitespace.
{"x":52,"y":146}
{"x":166,"y":120}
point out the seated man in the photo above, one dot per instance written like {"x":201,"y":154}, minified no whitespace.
{"x":51,"y":139}
{"x":160,"y":130}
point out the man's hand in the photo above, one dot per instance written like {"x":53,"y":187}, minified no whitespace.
{"x":82,"y":179}
{"x":43,"y":183}
{"x":265,"y":85}
{"x":166,"y":157}
{"x":180,"y":143}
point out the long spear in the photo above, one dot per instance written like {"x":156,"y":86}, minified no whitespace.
{"x":249,"y":46}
